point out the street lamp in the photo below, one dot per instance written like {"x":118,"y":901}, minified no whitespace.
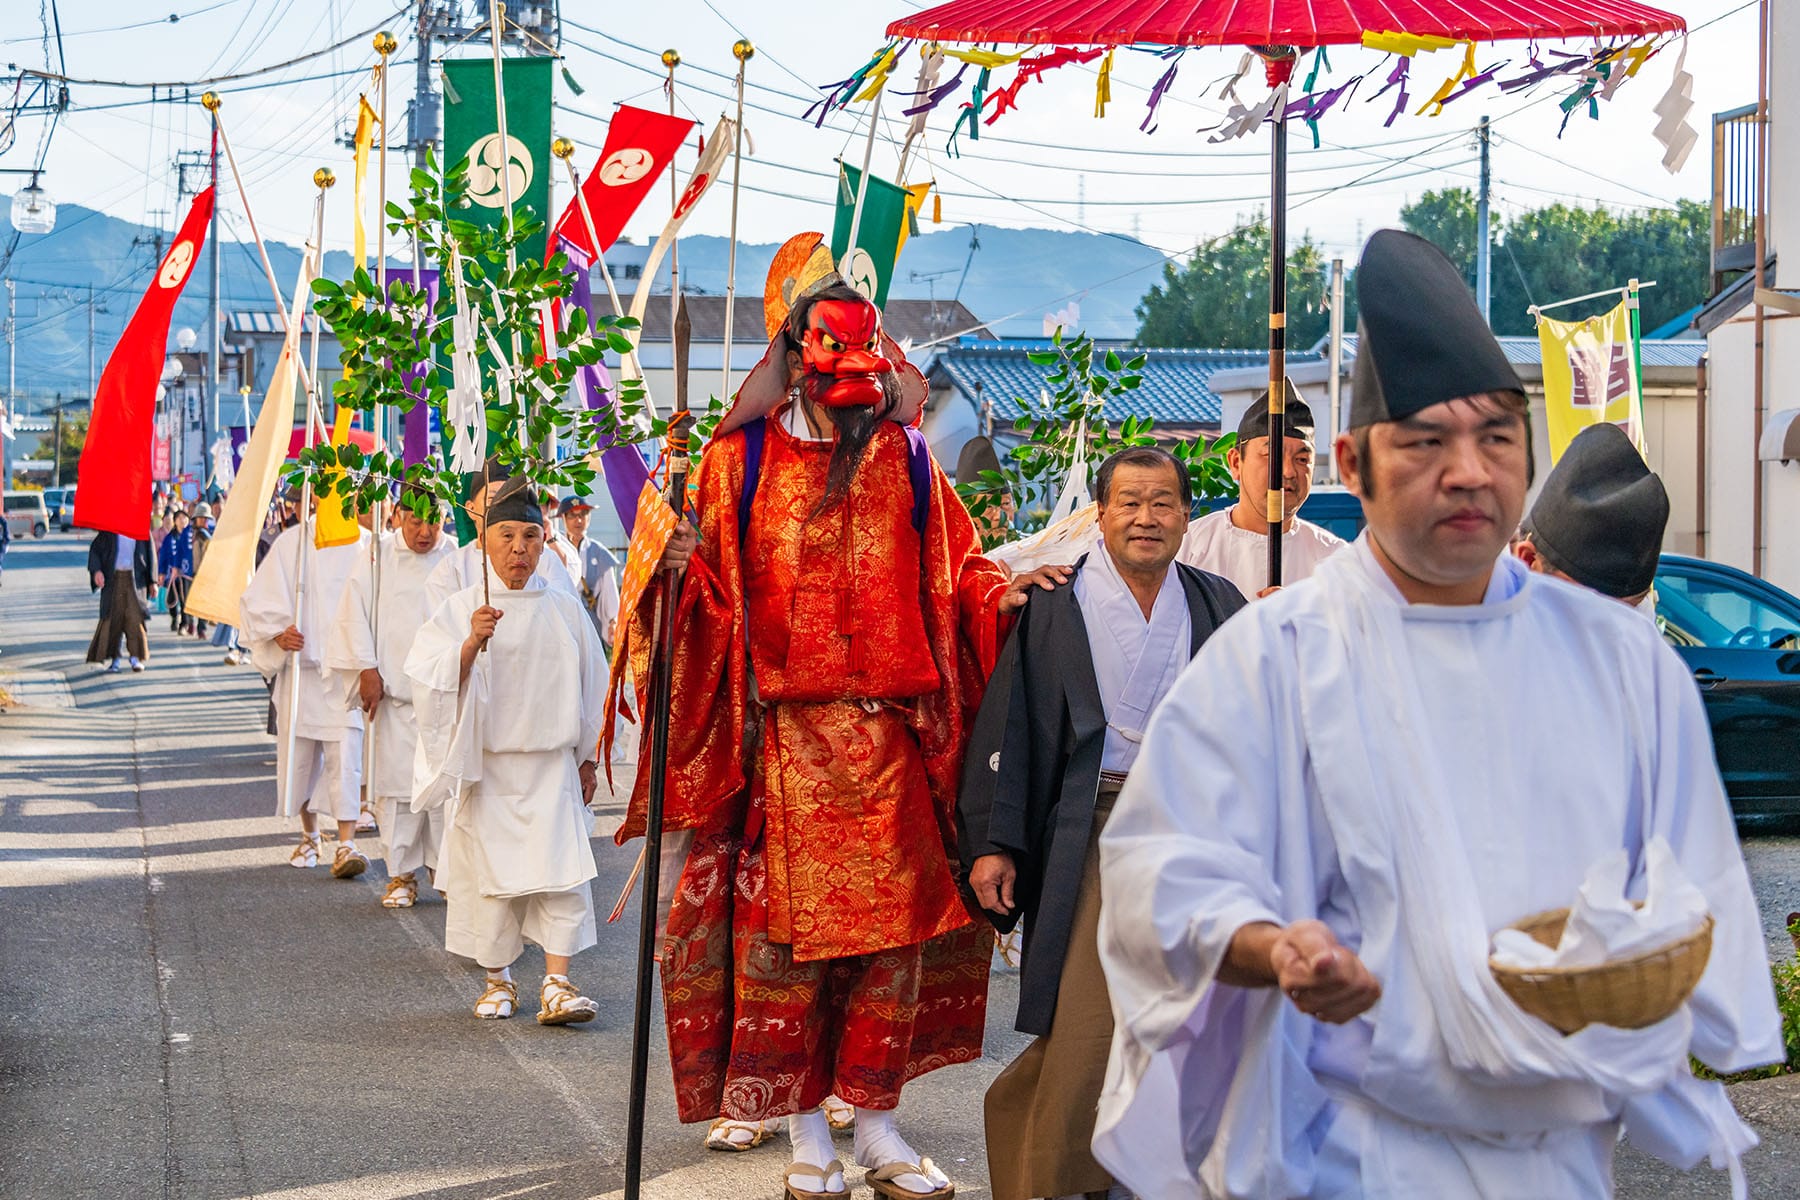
{"x":33,"y":211}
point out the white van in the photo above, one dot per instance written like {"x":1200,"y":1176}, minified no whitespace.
{"x":25,"y":513}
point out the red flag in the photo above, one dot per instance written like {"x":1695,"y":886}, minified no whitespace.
{"x":640,"y":144}
{"x":113,"y":482}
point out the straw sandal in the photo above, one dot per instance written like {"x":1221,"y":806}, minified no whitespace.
{"x":838,"y":1115}
{"x":306,"y":854}
{"x":833,"y":1168}
{"x":563,"y":1005}
{"x":881,"y":1180}
{"x":365,"y":820}
{"x":718,"y":1135}
{"x":402,"y":892}
{"x":348,"y":863}
{"x":499,"y":999}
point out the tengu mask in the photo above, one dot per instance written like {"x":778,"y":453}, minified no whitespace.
{"x":840,"y":355}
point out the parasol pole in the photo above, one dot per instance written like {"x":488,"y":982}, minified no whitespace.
{"x":1278,"y":62}
{"x":741,"y":50}
{"x":323,"y":179}
{"x":661,"y":695}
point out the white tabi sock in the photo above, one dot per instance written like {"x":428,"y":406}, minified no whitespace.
{"x":878,"y":1142}
{"x":810,"y":1135}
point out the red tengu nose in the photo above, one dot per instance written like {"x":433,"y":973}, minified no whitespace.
{"x":862,"y":362}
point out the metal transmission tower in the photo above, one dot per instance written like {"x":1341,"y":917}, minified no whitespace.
{"x":534,"y":26}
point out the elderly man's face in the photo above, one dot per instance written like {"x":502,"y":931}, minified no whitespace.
{"x":514,"y":547}
{"x":419,"y":534}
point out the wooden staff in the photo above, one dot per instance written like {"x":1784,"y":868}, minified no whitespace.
{"x":741,"y":50}
{"x":323,"y":178}
{"x":385,"y":44}
{"x":662,"y":670}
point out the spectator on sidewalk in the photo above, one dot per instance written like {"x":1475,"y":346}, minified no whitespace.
{"x":120,"y":569}
{"x":175,"y":568}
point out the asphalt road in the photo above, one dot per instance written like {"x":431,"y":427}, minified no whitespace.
{"x":184,"y":1015}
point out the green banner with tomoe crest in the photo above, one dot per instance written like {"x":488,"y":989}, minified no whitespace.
{"x":472,"y":131}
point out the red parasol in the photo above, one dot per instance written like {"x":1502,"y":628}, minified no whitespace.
{"x":1277,"y":30}
{"x":1303,"y":24}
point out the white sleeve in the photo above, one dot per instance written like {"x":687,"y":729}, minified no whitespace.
{"x":267,"y":606}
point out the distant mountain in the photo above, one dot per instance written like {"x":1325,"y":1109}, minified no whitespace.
{"x":1014,"y":279}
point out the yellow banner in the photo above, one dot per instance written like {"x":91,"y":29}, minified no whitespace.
{"x":366,"y":120}
{"x":231,"y":556}
{"x":1590,"y":376}
{"x":330,"y":526}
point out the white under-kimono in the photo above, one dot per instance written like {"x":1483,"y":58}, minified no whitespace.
{"x":1416,"y":777}
{"x":462,"y":568}
{"x":409,"y":840}
{"x":1136,"y":660}
{"x":501,"y":753}
{"x":327,"y":734}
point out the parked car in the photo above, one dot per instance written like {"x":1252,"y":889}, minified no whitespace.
{"x":1741,"y":638}
{"x":1336,"y":508}
{"x":25,"y":513}
{"x":61,"y":504}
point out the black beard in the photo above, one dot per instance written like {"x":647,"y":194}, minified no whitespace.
{"x":856,"y":428}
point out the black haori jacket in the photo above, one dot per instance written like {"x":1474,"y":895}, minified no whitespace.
{"x":101,"y":552}
{"x":1032,"y":771}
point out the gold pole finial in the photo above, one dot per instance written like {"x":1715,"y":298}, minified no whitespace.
{"x":210,"y":101}
{"x":742,"y":50}
{"x":671,"y":58}
{"x":323,"y":177}
{"x":386,"y":43}
{"x":562,"y":148}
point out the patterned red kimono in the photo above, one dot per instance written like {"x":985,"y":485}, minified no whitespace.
{"x":827,"y":668}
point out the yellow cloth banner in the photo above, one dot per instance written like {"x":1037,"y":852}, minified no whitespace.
{"x":330,"y":526}
{"x":366,"y":120}
{"x":915,"y":204}
{"x":219,"y":585}
{"x":1590,"y":376}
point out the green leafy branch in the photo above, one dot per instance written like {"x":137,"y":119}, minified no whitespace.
{"x":385,"y":341}
{"x":1084,"y":379}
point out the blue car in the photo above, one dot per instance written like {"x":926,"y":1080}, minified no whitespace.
{"x":1741,"y":638}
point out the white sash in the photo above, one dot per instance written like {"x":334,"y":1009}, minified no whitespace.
{"x":1388,"y":804}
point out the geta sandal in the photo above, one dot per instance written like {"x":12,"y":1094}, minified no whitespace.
{"x":402,"y":892}
{"x":881,"y":1180}
{"x":791,"y":1192}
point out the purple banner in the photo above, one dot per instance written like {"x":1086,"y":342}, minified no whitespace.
{"x":416,"y":441}
{"x":623,"y":466}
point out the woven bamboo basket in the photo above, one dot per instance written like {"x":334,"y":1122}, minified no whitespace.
{"x":1628,"y":993}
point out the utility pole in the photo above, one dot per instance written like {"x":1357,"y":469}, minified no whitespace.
{"x":1483,"y":252}
{"x":93,"y":383}
{"x":212,"y":313}
{"x":530,"y":26}
{"x":12,"y":405}
{"x":56,"y":444}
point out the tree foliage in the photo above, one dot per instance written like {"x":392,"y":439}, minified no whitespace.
{"x":1562,"y":250}
{"x":1219,"y":297}
{"x":1084,"y":379}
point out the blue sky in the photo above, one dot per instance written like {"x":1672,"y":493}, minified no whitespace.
{"x":1048,"y":164}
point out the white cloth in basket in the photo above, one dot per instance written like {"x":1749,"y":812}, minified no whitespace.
{"x":1604,"y":924}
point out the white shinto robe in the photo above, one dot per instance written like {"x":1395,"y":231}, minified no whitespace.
{"x":1213,"y":543}
{"x":1136,"y":661}
{"x":502,"y":750}
{"x":409,"y":839}
{"x":1432,"y":775}
{"x":266,"y":610}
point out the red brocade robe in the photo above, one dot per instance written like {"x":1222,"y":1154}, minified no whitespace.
{"x":827,"y":670}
